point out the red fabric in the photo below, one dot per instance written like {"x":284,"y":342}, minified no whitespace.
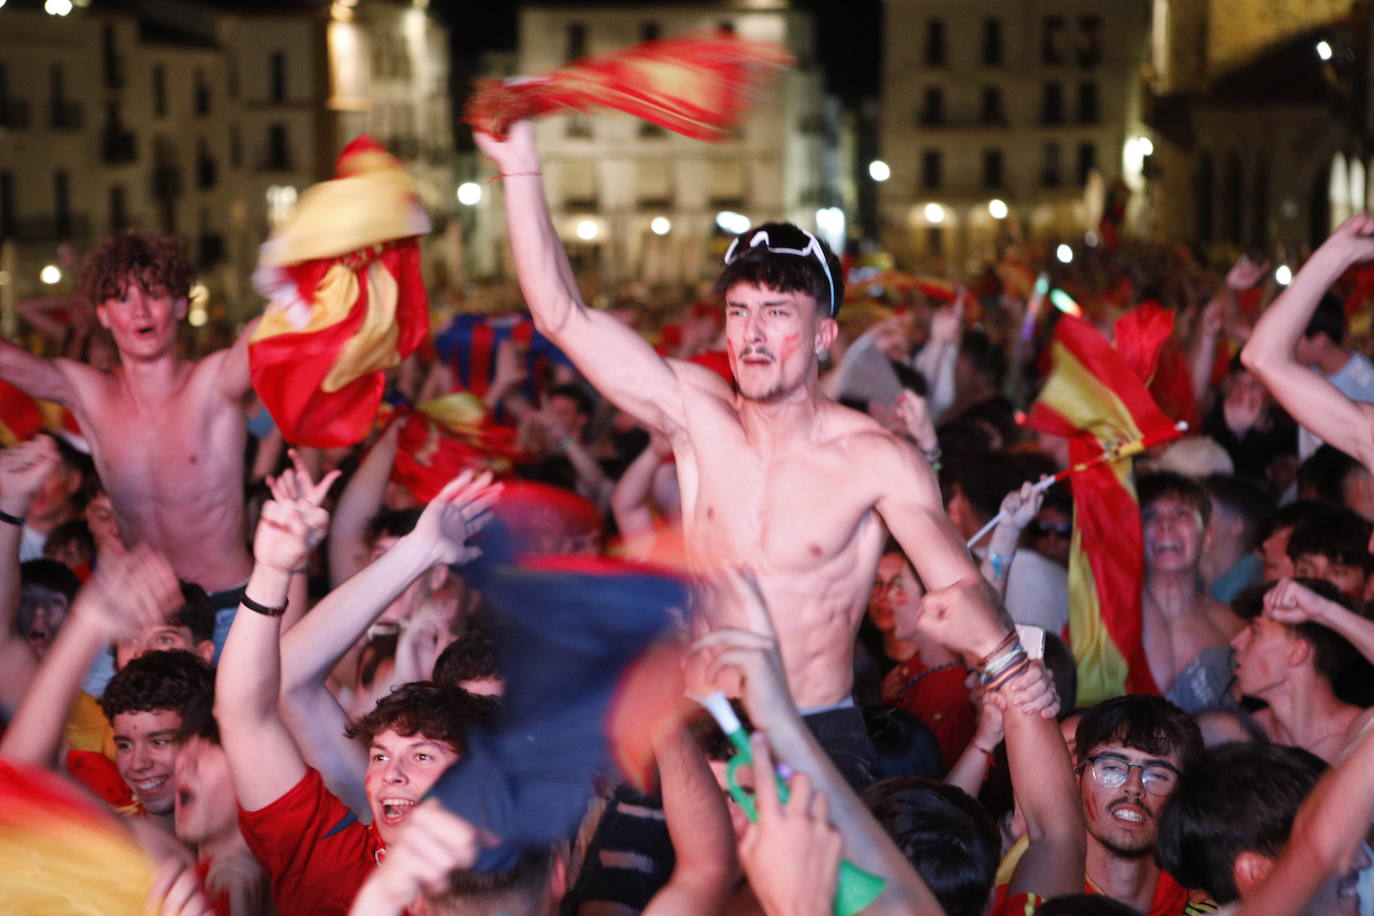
{"x":428,"y":456}
{"x":314,"y":849}
{"x":697,"y":85}
{"x":1171,"y":898}
{"x":939,"y":698}
{"x":1019,"y":905}
{"x":220,"y":902}
{"x":718,"y":361}
{"x":98,"y":773}
{"x":19,"y":413}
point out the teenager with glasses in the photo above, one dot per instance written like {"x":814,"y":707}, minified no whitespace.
{"x":772,"y":473}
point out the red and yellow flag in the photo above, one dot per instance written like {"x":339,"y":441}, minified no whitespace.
{"x":1097,"y":397}
{"x":697,"y":85}
{"x":446,"y":436}
{"x":346,"y":299}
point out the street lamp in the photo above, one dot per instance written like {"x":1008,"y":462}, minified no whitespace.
{"x":878,"y":170}
{"x":935,"y":213}
{"x":1064,"y":253}
{"x":660,"y":225}
{"x":732,"y":222}
{"x":51,"y":275}
{"x":586,"y":230}
{"x":57,"y":7}
{"x":1283,"y":275}
{"x":1324,"y":50}
{"x":469,"y":193}
{"x":997,"y":208}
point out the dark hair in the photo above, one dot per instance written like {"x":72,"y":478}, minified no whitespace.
{"x":575,"y":393}
{"x":984,"y":356}
{"x":198,"y":718}
{"x":196,"y":613}
{"x":998,"y":413}
{"x":1063,"y":668}
{"x":392,"y":523}
{"x":706,"y":734}
{"x":945,"y":834}
{"x":473,"y":656}
{"x":785,"y":273}
{"x":987,"y":481}
{"x":74,"y":533}
{"x":1243,"y":499}
{"x":51,"y":575}
{"x":1338,"y":534}
{"x":1293,"y":514}
{"x":1085,"y":905}
{"x":157,"y":262}
{"x":906,"y":747}
{"x":1143,"y":722}
{"x":1232,"y":798}
{"x":1331,"y":652}
{"x":166,"y":679}
{"x":1157,"y":485}
{"x":469,"y":888}
{"x":1328,"y":319}
{"x":1323,"y":474}
{"x":423,"y":708}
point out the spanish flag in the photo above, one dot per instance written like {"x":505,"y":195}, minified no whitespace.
{"x":346,"y":300}
{"x":1096,"y":396}
{"x":446,"y":436}
{"x":697,"y":85}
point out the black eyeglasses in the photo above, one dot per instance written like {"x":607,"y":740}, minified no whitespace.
{"x":1042,"y":529}
{"x":1111,"y":772}
{"x":811,"y":248}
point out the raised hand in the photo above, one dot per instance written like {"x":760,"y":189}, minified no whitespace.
{"x":433,"y":844}
{"x":959,"y":617}
{"x":462,"y":508}
{"x":1246,"y":274}
{"x":515,"y":153}
{"x":915,"y":416}
{"x":509,"y":370}
{"x":1293,"y":603}
{"x":176,"y":891}
{"x":947,"y":325}
{"x":1020,"y":506}
{"x":1353,"y":239}
{"x":293,"y":523}
{"x":791,"y":854}
{"x":24,"y":467}
{"x":129,"y":592}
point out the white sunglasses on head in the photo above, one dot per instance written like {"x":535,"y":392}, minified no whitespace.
{"x":813,"y":249}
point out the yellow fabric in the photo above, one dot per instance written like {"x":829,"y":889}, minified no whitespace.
{"x":1009,"y":862}
{"x":460,"y":412}
{"x":1080,"y":397}
{"x":372,"y":347}
{"x":335,"y":217}
{"x":66,"y":862}
{"x":87,"y":727}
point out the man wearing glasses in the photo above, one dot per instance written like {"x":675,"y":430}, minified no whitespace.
{"x":773,"y":474}
{"x":1131,"y":751}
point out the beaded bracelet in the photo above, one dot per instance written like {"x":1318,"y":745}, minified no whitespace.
{"x":1007,"y":642}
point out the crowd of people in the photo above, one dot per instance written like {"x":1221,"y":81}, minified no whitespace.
{"x":264,"y":660}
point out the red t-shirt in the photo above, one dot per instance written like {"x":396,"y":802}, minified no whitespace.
{"x":1171,"y":899}
{"x":1024,"y":904}
{"x":939,"y":698}
{"x":315,"y":850}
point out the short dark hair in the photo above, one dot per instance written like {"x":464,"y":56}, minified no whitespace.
{"x":987,"y":481}
{"x":1332,"y":653}
{"x":425,"y":708}
{"x":945,"y":834}
{"x":1157,"y":485}
{"x":198,"y":717}
{"x":1233,"y":798}
{"x":157,"y":262}
{"x":785,"y":273}
{"x":1338,"y":534}
{"x":1243,"y":499}
{"x":393,"y":523}
{"x":1323,"y":474}
{"x":473,"y":656}
{"x":1085,"y":905}
{"x":1144,"y":722}
{"x":1293,"y":514}
{"x":51,"y":575}
{"x":984,"y":355}
{"x":906,"y":747}
{"x":575,"y":393}
{"x":75,"y":533}
{"x":196,"y":613}
{"x":1328,"y":319}
{"x":166,"y":679}
{"x":706,"y":734}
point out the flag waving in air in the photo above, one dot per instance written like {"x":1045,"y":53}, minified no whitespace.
{"x":346,"y":299}
{"x":1096,"y":396}
{"x":696,"y":85}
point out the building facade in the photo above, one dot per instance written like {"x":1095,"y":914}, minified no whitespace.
{"x":995,"y":116}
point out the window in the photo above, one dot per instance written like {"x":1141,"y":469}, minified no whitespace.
{"x":278,"y":148}
{"x":990,"y":111}
{"x":654,"y":183}
{"x":109,"y":59}
{"x":726,"y":183}
{"x":7,"y":205}
{"x":62,"y":203}
{"x":119,"y":209}
{"x":935,"y":43}
{"x":201,"y":100}
{"x":933,"y":108}
{"x":1089,"y":41}
{"x":1052,"y":104}
{"x":57,"y":83}
{"x":1049,"y":171}
{"x":235,"y":147}
{"x":207,"y":170}
{"x":579,"y":184}
{"x":992,"y":43}
{"x":992,"y":168}
{"x":159,"y":91}
{"x":650,"y":31}
{"x":276,"y":76}
{"x":935,"y":241}
{"x":931,"y":170}
{"x":1088,"y":108}
{"x":1052,"y":40}
{"x":579,"y":127}
{"x":575,"y":41}
{"x":1087,"y":161}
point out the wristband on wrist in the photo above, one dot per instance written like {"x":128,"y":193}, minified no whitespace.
{"x":1003,"y":646}
{"x":260,"y":608}
{"x":999,"y":562}
{"x":513,"y":175}
{"x":15,"y":520}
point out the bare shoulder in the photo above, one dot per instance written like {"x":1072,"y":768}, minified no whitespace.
{"x":698,"y":379}
{"x":863,"y":437}
{"x":1222,"y":618}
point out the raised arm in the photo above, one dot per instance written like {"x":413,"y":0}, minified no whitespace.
{"x":312,"y":647}
{"x":22,"y":470}
{"x":40,"y":378}
{"x":633,"y":492}
{"x":361,"y":499}
{"x":1291,"y":602}
{"x":263,"y":758}
{"x":235,"y":377}
{"x":1311,"y":399}
{"x":614,"y":358}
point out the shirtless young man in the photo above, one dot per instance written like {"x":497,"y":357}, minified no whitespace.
{"x":774,"y":475}
{"x":167,"y":435}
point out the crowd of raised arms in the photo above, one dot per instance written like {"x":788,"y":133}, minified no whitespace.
{"x":260,"y":658}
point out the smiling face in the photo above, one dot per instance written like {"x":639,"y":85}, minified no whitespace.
{"x":772,"y":339}
{"x":145,"y":755}
{"x":400,"y":770}
{"x":1173,"y":533}
{"x":1125,"y":819}
{"x":143,"y":322}
{"x":206,"y":804}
